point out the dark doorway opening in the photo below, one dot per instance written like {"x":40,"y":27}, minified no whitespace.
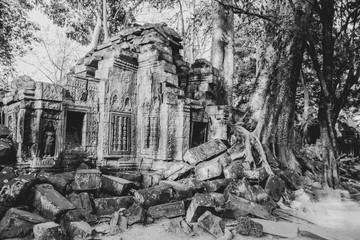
{"x":198,"y":133}
{"x":74,"y":129}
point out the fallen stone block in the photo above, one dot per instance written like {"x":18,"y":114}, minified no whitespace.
{"x":217,"y":185}
{"x":6,"y":175}
{"x":327,"y":195}
{"x":194,"y":183}
{"x":240,"y":188}
{"x":204,"y":151}
{"x":17,"y":191}
{"x":293,"y":180}
{"x":49,"y":202}
{"x":301,"y":196}
{"x":208,"y":169}
{"x":275,"y":187}
{"x":179,"y":224}
{"x":259,"y":194}
{"x":150,"y":179}
{"x":181,"y":191}
{"x":281,"y":228}
{"x":118,"y":223}
{"x":48,"y":230}
{"x":130,"y":176}
{"x":236,"y":151}
{"x":81,"y":201}
{"x":77,"y":215}
{"x":235,"y":170}
{"x":61,"y":181}
{"x":211,"y":223}
{"x":248,"y":227}
{"x":80,"y":231}
{"x":87,"y":179}
{"x":169,"y":210}
{"x":154,"y":195}
{"x":258,"y":174}
{"x":137,"y":214}
{"x":177,"y":170}
{"x":116,"y":186}
{"x":199,"y":204}
{"x":18,"y":223}
{"x":106,"y":206}
{"x":239,"y":207}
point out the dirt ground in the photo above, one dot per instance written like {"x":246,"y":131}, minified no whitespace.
{"x":341,"y":218}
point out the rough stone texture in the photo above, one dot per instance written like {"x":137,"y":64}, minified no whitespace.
{"x":259,"y":194}
{"x":181,"y":191}
{"x":169,"y":210}
{"x":176,"y":171}
{"x":240,"y":188}
{"x":235,"y":170}
{"x":130,"y":176}
{"x":61,"y":181}
{"x":137,"y":214}
{"x":150,"y":179}
{"x":48,"y":231}
{"x":81,"y":201}
{"x":116,"y":186}
{"x":275,"y":187}
{"x":17,"y":190}
{"x":77,"y":215}
{"x":194,"y":183}
{"x":204,"y":151}
{"x":208,"y":169}
{"x":211,"y":223}
{"x":18,"y":223}
{"x":49,"y":202}
{"x":239,"y":207}
{"x":281,"y":228}
{"x":199,"y":204}
{"x":248,"y":227}
{"x":327,"y":195}
{"x":236,"y":151}
{"x":6,"y":175}
{"x":293,"y":180}
{"x":118,"y":223}
{"x":80,"y":231}
{"x":154,"y":195}
{"x":217,"y":185}
{"x":87,"y":179}
{"x":106,"y":206}
{"x":258,"y":174}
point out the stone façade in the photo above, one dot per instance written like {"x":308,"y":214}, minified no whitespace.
{"x":130,"y":102}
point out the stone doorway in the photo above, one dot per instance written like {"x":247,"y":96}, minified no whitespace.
{"x":74,"y":129}
{"x":198,"y":133}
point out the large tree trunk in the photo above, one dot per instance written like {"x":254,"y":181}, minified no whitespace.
{"x":222,"y":51}
{"x":96,"y":33}
{"x":106,"y":30}
{"x":281,"y":62}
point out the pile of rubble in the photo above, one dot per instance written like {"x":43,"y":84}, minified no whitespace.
{"x":213,"y":188}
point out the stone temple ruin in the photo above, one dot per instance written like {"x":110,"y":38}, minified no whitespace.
{"x":130,"y":102}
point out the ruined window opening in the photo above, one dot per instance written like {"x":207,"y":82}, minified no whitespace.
{"x":198,"y":134}
{"x":74,"y":129}
{"x":120,"y":133}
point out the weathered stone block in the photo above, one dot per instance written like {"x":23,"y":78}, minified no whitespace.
{"x":137,"y":214}
{"x":18,"y":223}
{"x":116,"y":186}
{"x":77,"y":215}
{"x":6,"y":175}
{"x":169,"y":210}
{"x":240,"y":188}
{"x":106,"y":206}
{"x":211,"y":223}
{"x":181,"y":191}
{"x":199,"y":204}
{"x":281,"y":228}
{"x":80,"y":231}
{"x":274,"y":187}
{"x":208,"y":169}
{"x":204,"y":151}
{"x":49,"y":202}
{"x":130,"y":176}
{"x":248,"y":227}
{"x":87,"y":179}
{"x":258,"y":174}
{"x":194,"y":183}
{"x":150,"y":179}
{"x":239,"y":207}
{"x":236,"y":151}
{"x":176,"y":171}
{"x":293,"y":180}
{"x":154,"y":195}
{"x":235,"y":170}
{"x":259,"y":194}
{"x":217,"y":185}
{"x":17,"y":190}
{"x":118,"y":223}
{"x":61,"y":181}
{"x":48,"y":231}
